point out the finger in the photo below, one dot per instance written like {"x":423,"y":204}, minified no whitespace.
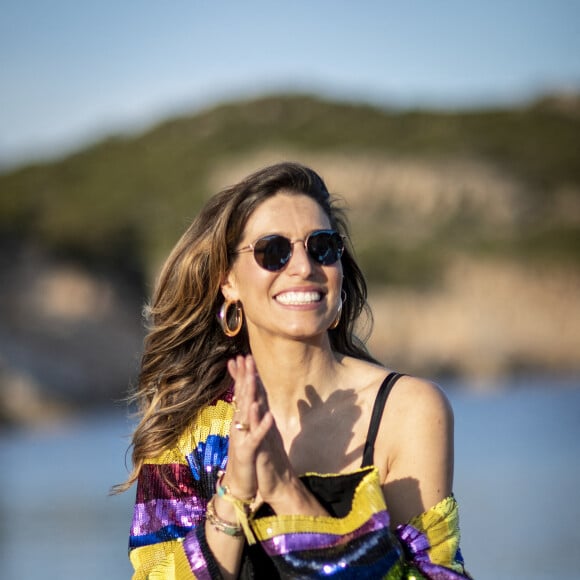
{"x":255,"y":416}
{"x":250,"y":376}
{"x":237,"y":368}
{"x":263,"y":426}
{"x":244,"y":388}
{"x":250,"y":401}
{"x":257,"y":387}
{"x":248,"y":381}
{"x":260,"y":422}
{"x":236,"y":371}
{"x":232,"y":367}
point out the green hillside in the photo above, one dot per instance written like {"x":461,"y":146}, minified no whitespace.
{"x":123,"y":202}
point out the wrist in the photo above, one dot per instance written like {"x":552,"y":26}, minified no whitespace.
{"x":225,"y":486}
{"x":220,"y":524}
{"x":294,"y":498}
{"x":242,"y":506}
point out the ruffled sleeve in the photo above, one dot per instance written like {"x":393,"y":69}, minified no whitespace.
{"x":355,"y":541}
{"x":431,"y":544}
{"x":167,"y":538}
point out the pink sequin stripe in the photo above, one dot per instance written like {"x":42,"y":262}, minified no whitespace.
{"x":153,"y":482}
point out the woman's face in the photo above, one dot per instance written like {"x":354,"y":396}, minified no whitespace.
{"x":301,"y":300}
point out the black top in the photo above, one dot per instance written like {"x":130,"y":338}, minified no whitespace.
{"x":334,"y":494}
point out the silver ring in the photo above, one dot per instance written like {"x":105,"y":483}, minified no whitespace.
{"x":241,"y":426}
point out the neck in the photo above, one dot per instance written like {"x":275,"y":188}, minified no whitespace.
{"x":287,"y":367}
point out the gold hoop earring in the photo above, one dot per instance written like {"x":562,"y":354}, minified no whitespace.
{"x":336,"y":321}
{"x":224,"y":317}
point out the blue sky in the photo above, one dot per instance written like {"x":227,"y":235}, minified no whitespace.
{"x":72,"y":71}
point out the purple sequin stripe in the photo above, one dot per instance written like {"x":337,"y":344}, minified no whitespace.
{"x":287,"y":543}
{"x":195,"y":557}
{"x":417,"y":544}
{"x":151,"y":516}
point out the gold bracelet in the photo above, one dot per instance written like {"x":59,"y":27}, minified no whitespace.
{"x":219,"y":524}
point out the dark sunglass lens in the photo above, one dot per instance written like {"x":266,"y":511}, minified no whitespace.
{"x":325,"y":247}
{"x":272,"y":252}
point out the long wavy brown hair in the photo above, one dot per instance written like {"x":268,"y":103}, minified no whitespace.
{"x":183,"y":367}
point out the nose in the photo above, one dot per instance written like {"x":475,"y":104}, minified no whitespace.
{"x":300,"y":261}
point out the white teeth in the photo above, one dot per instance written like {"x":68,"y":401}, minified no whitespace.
{"x":299,"y":297}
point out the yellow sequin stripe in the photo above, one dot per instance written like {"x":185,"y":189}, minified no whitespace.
{"x":441,"y":526}
{"x":163,"y":561}
{"x":211,"y":420}
{"x":368,"y":499}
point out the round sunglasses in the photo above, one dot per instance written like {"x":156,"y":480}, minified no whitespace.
{"x":273,"y":252}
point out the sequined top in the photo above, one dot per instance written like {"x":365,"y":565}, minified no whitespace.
{"x":167,"y":539}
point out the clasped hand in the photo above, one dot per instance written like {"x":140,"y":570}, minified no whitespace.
{"x":258,"y":464}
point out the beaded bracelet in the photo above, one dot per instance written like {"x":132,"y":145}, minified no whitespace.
{"x":221,"y":525}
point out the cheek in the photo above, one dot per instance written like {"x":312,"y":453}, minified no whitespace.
{"x":338,"y":274}
{"x":253,"y":285}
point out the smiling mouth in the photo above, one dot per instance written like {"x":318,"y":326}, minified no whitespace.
{"x":296,"y":298}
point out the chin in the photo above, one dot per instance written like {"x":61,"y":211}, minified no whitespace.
{"x":307,"y":335}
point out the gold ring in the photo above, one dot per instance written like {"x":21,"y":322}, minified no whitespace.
{"x":241,"y":426}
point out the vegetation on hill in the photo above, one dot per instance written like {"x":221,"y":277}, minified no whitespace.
{"x":466,"y":224}
{"x":123,"y":202}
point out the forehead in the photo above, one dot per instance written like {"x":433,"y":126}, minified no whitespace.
{"x":286,"y":213}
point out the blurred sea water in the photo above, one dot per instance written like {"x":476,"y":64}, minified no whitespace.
{"x":517,"y":479}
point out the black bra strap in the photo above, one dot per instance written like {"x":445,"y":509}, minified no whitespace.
{"x":378,"y":408}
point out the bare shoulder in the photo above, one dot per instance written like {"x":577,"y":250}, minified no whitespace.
{"x":417,"y":400}
{"x":418,"y":460}
{"x":363,"y":373}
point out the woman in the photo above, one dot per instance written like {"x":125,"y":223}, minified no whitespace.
{"x":265,"y":448}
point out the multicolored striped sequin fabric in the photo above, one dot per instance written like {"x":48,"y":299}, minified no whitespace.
{"x":167,"y":539}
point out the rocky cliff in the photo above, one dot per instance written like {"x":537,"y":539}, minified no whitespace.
{"x":466,"y":224}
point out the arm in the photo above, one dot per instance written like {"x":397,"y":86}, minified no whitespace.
{"x":418,"y":443}
{"x":168,"y":534}
{"x":419,"y":480}
{"x":168,"y":519}
{"x":317,"y":524}
{"x":258,"y":461}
